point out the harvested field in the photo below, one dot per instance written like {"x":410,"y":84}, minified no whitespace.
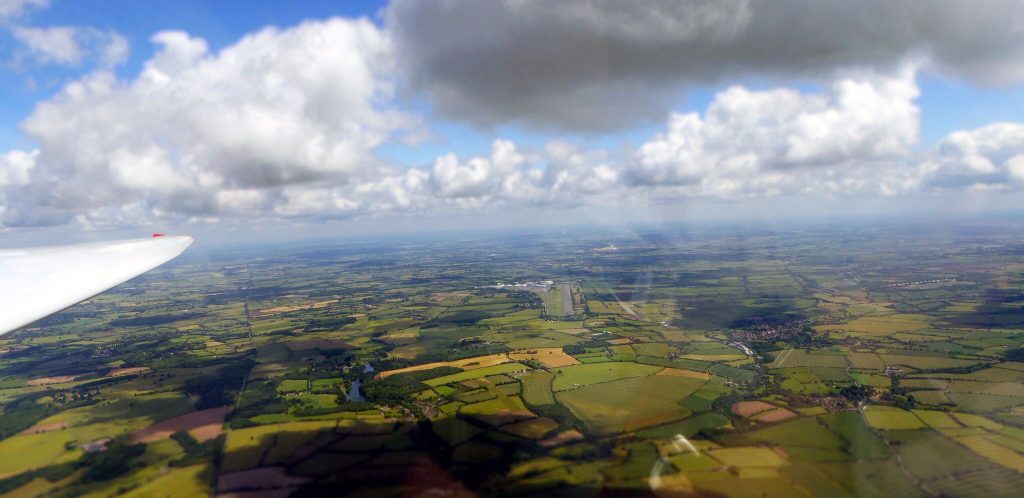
{"x":39,"y":429}
{"x":531,"y":429}
{"x":714,"y":357}
{"x":296,"y":307}
{"x":751,"y":408}
{"x":775,"y":415}
{"x":118,"y":372}
{"x":562,"y":438}
{"x":678,"y":372}
{"x":465,"y":364}
{"x":45,"y":381}
{"x":549,"y":357}
{"x":202,"y":425}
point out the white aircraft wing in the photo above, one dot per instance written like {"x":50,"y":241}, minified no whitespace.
{"x":37,"y":282}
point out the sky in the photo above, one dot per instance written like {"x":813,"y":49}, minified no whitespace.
{"x":224,"y":116}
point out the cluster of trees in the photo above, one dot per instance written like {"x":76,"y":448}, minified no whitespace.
{"x":856,"y":392}
{"x":25,"y":411}
{"x":117,"y":460}
{"x":397,"y":390}
{"x":328,"y":323}
{"x":899,"y":395}
{"x":458,"y":318}
{"x":222,"y":389}
{"x":1014,"y":354}
{"x":582,"y":347}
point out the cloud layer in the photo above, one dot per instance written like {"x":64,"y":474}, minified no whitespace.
{"x":604,"y":64}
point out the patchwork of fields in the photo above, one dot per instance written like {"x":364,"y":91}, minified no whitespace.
{"x":670,"y":367}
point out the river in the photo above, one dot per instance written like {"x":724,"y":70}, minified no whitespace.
{"x":354,"y":392}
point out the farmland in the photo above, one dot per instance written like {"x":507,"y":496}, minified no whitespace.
{"x":718,"y":362}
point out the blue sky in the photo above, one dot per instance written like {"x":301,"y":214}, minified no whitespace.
{"x":498,"y":108}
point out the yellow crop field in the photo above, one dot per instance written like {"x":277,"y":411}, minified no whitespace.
{"x":549,"y":357}
{"x":970,"y":420}
{"x":936,"y":419}
{"x":465,"y":364}
{"x":678,"y":372}
{"x":501,"y":368}
{"x":296,"y":307}
{"x":986,"y":447}
{"x":714,"y":357}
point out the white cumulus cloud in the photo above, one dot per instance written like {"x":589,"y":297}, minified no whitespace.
{"x":10,"y":9}
{"x":71,"y":45}
{"x":990,"y":157}
{"x":280,"y":107}
{"x":764,"y":137}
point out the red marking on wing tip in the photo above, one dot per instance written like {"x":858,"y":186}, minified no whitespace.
{"x":158,"y":234}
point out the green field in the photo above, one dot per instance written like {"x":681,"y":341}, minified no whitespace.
{"x":889,"y":418}
{"x":575,"y":376}
{"x":631,"y":403}
{"x":537,"y":388}
{"x":803,"y":358}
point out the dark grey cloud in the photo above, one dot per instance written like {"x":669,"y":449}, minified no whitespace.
{"x":603,"y":64}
